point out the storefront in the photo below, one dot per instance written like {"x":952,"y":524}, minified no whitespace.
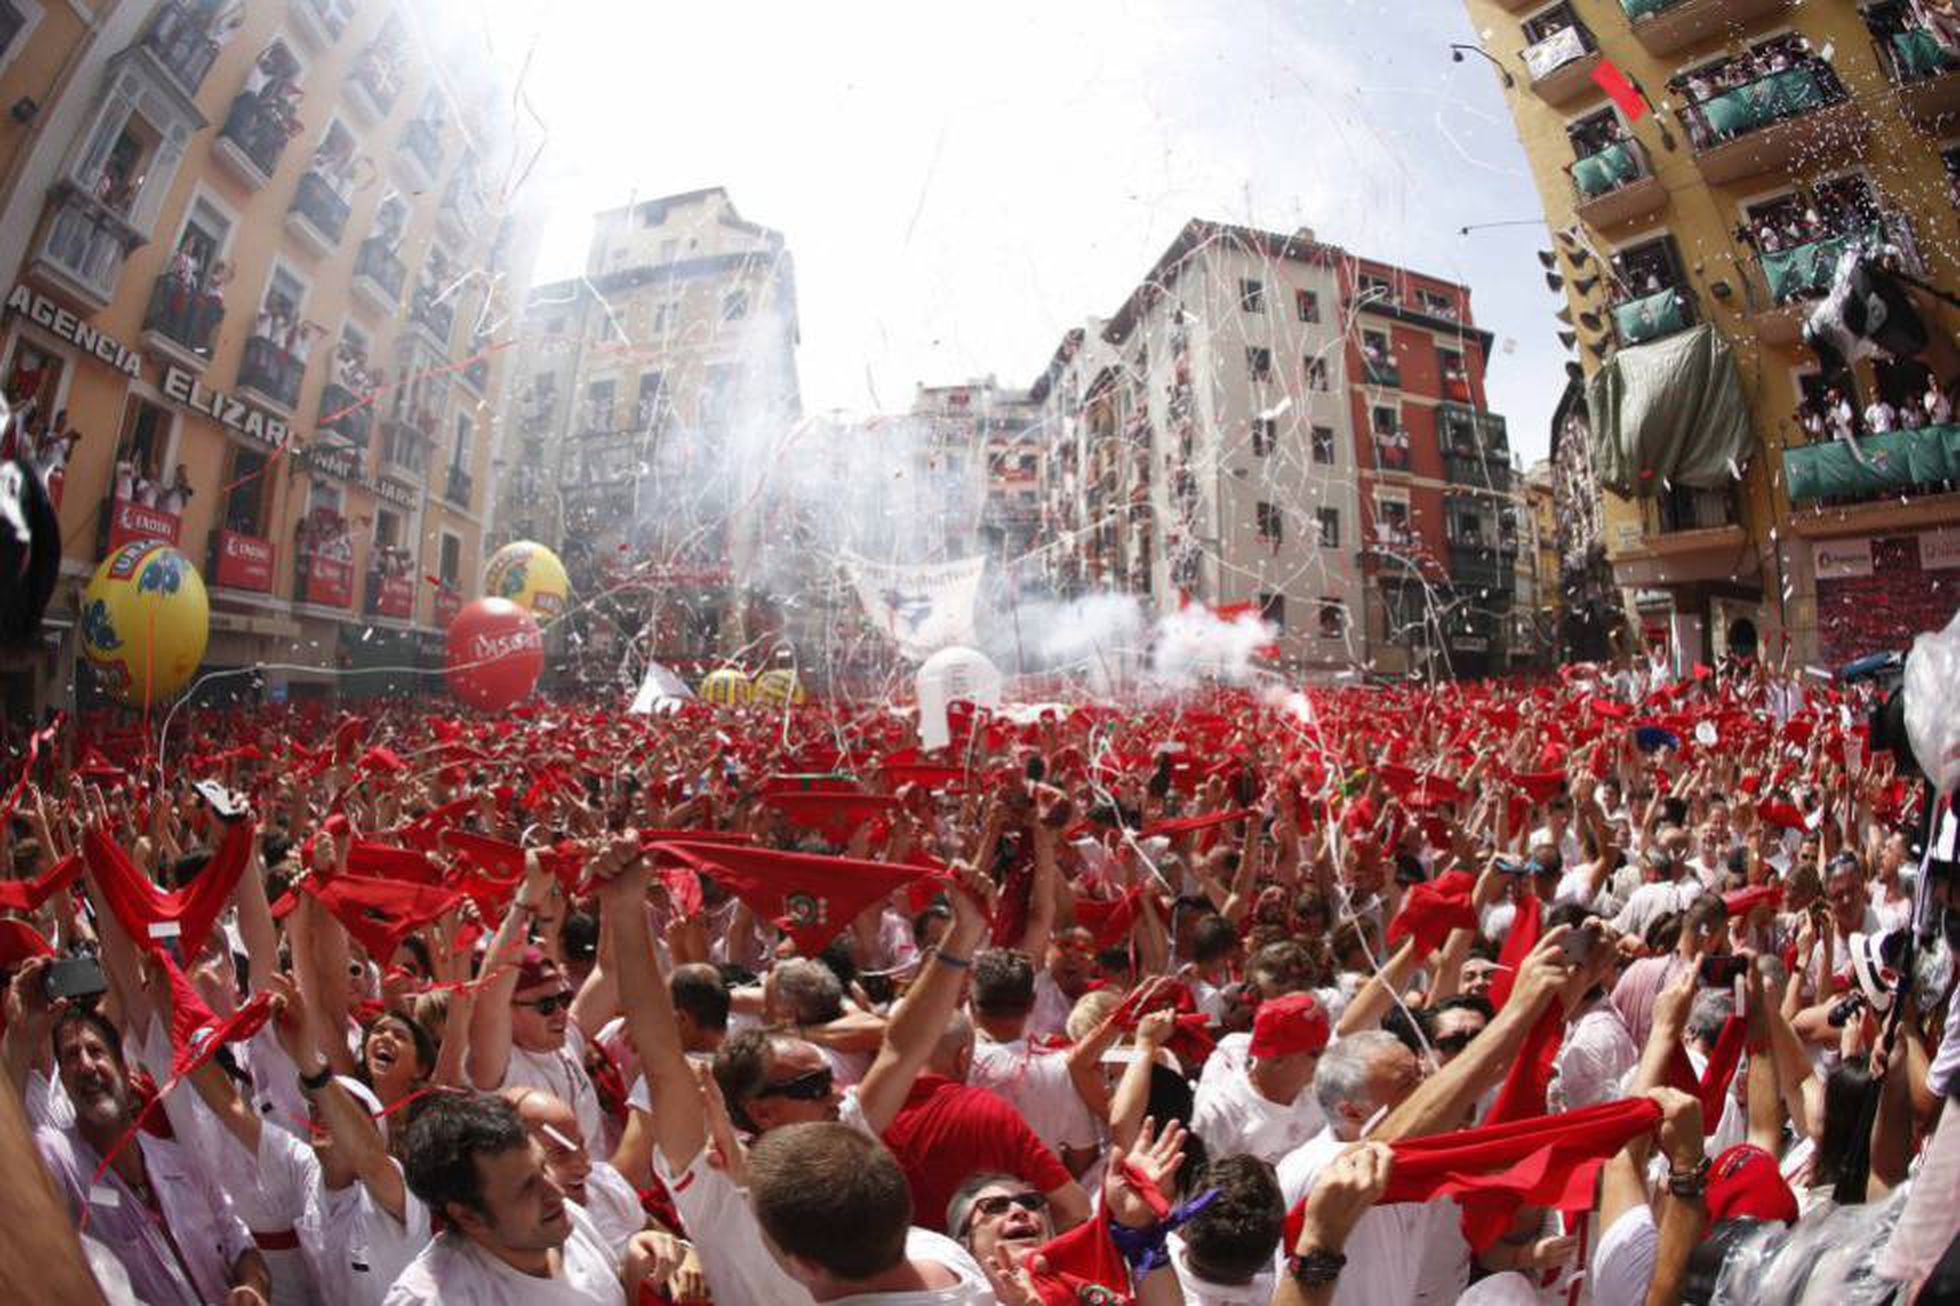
{"x":1875,"y":592}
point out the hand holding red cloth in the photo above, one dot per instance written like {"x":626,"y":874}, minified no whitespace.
{"x":146,"y":911}
{"x":1431,"y":910}
{"x":812,"y":898}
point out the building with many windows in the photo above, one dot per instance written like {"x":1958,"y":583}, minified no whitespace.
{"x":652,"y":397}
{"x":1271,"y":424}
{"x":1779,"y":135}
{"x":251,"y":251}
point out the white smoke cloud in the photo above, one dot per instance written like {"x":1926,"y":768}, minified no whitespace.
{"x":1196,"y":644}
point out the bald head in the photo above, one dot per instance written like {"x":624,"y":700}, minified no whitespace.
{"x":952,"y":1056}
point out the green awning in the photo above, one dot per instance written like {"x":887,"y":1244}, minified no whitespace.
{"x":1806,"y":271}
{"x":1650,"y":317}
{"x":1610,"y":168}
{"x":1763,"y":101}
{"x":1892,"y":461}
{"x":1919,"y":55}
{"x":1641,"y":8}
{"x":1669,"y":413}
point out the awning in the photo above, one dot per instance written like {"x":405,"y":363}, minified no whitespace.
{"x":1650,"y":317}
{"x":1669,"y":413}
{"x":1894,"y":460}
{"x":1598,"y":173}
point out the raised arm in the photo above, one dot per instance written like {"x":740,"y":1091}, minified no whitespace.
{"x":489,"y":1054}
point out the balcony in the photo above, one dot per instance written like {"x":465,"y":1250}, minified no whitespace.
{"x":1664,"y":27}
{"x":376,"y":83}
{"x":405,"y":453}
{"x":456,"y":487}
{"x":1560,"y":66}
{"x":253,"y":137}
{"x":463,"y":216}
{"x":344,"y":415}
{"x":86,"y":244}
{"x":182,"y":44}
{"x":320,"y":23}
{"x":1483,"y":471}
{"x":438,"y":320}
{"x":1797,"y":118}
{"x":1392,"y":451}
{"x":1382,"y":372}
{"x":1456,"y":386}
{"x":318,"y":214}
{"x":1615,"y":186}
{"x":1783,"y":284}
{"x":182,"y":321}
{"x":1684,"y":511}
{"x":378,"y":278}
{"x":1653,"y":317}
{"x":271,"y":373}
{"x":1928,"y":81}
{"x":421,"y":153}
{"x":1479,"y":565}
{"x":1895,"y":465}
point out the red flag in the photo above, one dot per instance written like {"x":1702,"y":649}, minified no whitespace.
{"x":493,"y":855}
{"x":1625,"y":94}
{"x":812,"y":898}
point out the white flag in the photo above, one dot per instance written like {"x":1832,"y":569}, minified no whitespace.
{"x":923,"y":608}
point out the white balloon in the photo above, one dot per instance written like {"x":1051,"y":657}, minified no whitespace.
{"x":953,"y":675}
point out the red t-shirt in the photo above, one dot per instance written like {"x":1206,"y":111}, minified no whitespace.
{"x":948,"y":1132}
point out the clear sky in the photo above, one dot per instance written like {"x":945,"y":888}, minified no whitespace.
{"x":960,"y":184}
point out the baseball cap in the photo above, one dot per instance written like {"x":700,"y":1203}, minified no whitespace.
{"x":1293,"y":1023}
{"x":535,"y":968}
{"x":1745,"y":1182}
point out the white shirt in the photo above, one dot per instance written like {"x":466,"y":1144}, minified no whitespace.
{"x":1397,"y":1253}
{"x":369,"y":1247}
{"x":740,"y":1270}
{"x":561,"y":1074}
{"x":1594,"y":1059}
{"x":455,"y":1271}
{"x":1234,"y":1117}
{"x":1036,"y":1084}
{"x":1203,"y":1292}
{"x":1650,"y":902}
{"x":1623,"y":1263}
{"x":613,"y":1207}
{"x":1227,"y":1060}
{"x":1049,"y":1017}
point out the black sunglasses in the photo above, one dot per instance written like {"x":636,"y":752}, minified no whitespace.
{"x":811,"y":1086}
{"x":544,"y":1006}
{"x":1000,"y":1203}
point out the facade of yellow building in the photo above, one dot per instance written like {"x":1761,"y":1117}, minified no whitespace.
{"x":251,"y":253}
{"x":1778,"y":134}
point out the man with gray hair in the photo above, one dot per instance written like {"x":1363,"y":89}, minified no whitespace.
{"x":808,"y":994}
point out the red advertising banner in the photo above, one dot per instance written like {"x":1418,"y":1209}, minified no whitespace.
{"x":129,"y":520}
{"x":394,"y":596}
{"x":244,"y":562}
{"x":449,"y":602}
{"x":329,"y":581}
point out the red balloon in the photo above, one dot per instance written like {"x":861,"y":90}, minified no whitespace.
{"x":496,"y":653}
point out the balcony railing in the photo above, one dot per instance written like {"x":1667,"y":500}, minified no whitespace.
{"x":404,"y":452}
{"x":321,"y":205}
{"x":1679,"y":508}
{"x":1483,"y":470}
{"x":423,"y":142}
{"x":1560,"y":64}
{"x":384,"y":274}
{"x":1914,"y":56}
{"x":271,"y":371}
{"x":185,"y":314}
{"x":1381,"y":371}
{"x":259,"y":131}
{"x":456,"y":487}
{"x":1392,"y":451}
{"x":1615,"y":185}
{"x":1664,"y":27}
{"x":1881,"y":467}
{"x":438,"y":319}
{"x":1480,"y":564}
{"x":1653,"y":316}
{"x":343,"y":413}
{"x":1769,"y":99}
{"x":182,"y":43}
{"x":86,"y":244}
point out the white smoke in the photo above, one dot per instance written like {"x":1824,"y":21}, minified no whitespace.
{"x":1195,"y":645}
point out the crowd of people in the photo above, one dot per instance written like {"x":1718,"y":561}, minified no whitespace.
{"x":1588,"y":990}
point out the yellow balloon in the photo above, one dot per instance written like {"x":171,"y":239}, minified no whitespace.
{"x":530,"y":576}
{"x":145,"y":621}
{"x":779,"y":686}
{"x":726,"y":686}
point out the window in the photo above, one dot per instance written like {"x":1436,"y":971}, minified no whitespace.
{"x":1547,"y":24}
{"x":1271,"y":523}
{"x":1333,"y":618}
{"x":12,"y":21}
{"x":1252,"y":296}
{"x":1307,"y":305}
{"x":1450,"y":363}
{"x":1392,"y":521}
{"x":1272,"y":610}
{"x":245,"y":500}
{"x":598,"y":407}
{"x":1593,"y":133}
{"x":1383,"y":421}
{"x":200,"y":245}
{"x":459,"y":452}
{"x":140,"y":452}
{"x":735,"y":305}
{"x":1376,"y":288}
{"x":1259,"y":363}
{"x":1265,"y":434}
{"x":1376,"y":354}
{"x":1329,"y":520}
{"x":450,"y":569}
{"x":279,"y":318}
{"x":665,"y":316}
{"x":1323,"y":445}
{"x":1316,"y":374}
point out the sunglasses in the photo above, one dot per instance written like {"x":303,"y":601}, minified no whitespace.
{"x":811,"y":1086}
{"x":544,"y":1006}
{"x":992,"y":1208}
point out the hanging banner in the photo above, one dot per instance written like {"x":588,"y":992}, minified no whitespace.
{"x":394,"y":596}
{"x":244,"y":562}
{"x":923,"y":608}
{"x":130,"y":520}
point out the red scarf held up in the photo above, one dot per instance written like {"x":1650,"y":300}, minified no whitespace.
{"x":141,"y":906}
{"x":27,"y":895}
{"x":196,"y":1033}
{"x":1110,"y":920}
{"x":386,"y":862}
{"x":1084,"y":1266}
{"x":834,"y":815}
{"x":812,"y":898}
{"x":1713,"y":1086}
{"x":1432,"y":910}
{"x":381,"y":913}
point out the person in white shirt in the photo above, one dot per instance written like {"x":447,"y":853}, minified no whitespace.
{"x":1597,"y":1053}
{"x":511,"y":1237}
{"x":1266,"y":1109}
{"x":1040,"y":1085}
{"x":1880,"y":416}
{"x":1938,"y":411}
{"x":609,"y":1201}
{"x":1063,"y":978}
{"x":1559,"y":832}
{"x":1671,"y":884}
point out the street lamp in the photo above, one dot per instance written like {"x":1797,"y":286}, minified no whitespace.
{"x":1456,"y":56}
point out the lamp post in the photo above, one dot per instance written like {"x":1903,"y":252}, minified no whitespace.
{"x":1457,"y":52}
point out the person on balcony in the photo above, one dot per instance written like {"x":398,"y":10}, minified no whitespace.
{"x":1880,"y":416}
{"x":1939,"y":412}
{"x":176,"y":496}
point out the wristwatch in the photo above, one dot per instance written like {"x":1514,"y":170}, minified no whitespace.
{"x":1692,"y":1182}
{"x":315,"y":1082}
{"x":1315,"y":1268}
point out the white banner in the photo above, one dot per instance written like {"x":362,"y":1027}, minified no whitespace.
{"x":1554,"y":52}
{"x":661,"y":691}
{"x":1939,"y":549}
{"x":923,"y":608}
{"x":1842,"y":559}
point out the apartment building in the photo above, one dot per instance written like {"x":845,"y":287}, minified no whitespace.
{"x":653,"y":396}
{"x":251,"y":253}
{"x":982,"y":440}
{"x":1261,"y":426}
{"x":1780,"y":134}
